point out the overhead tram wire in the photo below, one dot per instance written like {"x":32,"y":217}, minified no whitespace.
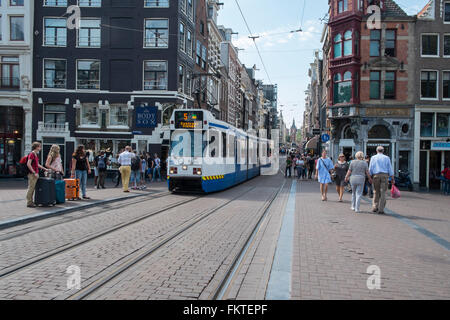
{"x":254,"y":41}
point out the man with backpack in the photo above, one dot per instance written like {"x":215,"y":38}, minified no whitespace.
{"x":31,"y":167}
{"x":101,"y":163}
{"x":135,"y":170}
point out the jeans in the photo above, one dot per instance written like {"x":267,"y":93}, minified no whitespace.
{"x":299,"y":172}
{"x":286,"y":172}
{"x":82,"y":176}
{"x":156,"y":170}
{"x":135,"y":177}
{"x":357,"y":183}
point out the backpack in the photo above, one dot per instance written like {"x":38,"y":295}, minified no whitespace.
{"x":135,"y":163}
{"x":101,"y":165}
{"x":23,"y":166}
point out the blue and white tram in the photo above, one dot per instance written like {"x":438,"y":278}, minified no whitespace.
{"x":210,"y":155}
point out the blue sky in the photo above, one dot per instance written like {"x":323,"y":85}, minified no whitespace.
{"x":286,"y":55}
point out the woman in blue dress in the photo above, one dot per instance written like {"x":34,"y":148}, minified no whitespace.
{"x":324,"y":166}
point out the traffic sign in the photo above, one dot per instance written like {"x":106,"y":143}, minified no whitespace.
{"x":325,"y":137}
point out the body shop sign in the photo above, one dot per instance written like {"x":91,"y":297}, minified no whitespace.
{"x":146,"y":117}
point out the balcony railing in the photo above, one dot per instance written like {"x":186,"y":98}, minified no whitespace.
{"x":55,"y":83}
{"x":155,"y":85}
{"x":88,"y":84}
{"x":10,"y":83}
{"x":53,"y":127}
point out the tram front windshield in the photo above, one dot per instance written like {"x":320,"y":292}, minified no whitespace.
{"x":187,"y":144}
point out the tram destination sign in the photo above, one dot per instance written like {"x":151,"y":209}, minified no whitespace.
{"x":188,"y":120}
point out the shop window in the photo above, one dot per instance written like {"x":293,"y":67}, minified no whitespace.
{"x":426,"y":125}
{"x":442,"y":125}
{"x":118,"y":115}
{"x":90,"y":115}
{"x":375,"y":85}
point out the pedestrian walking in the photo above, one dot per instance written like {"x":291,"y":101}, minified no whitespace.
{"x":357,"y":174}
{"x":311,"y":167}
{"x":81,"y":168}
{"x":157,"y":168}
{"x":33,"y":167}
{"x":125,"y":167}
{"x":323,"y":173}
{"x":368,"y":187}
{"x":95,"y":173}
{"x":300,"y":163}
{"x":135,"y":171}
{"x":151,"y":166}
{"x":101,"y":163}
{"x":380,"y":169}
{"x":340,"y":168}
{"x":288,"y":166}
{"x":54,"y":162}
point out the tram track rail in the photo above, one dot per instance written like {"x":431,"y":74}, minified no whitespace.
{"x":222,"y":290}
{"x":145,"y":253}
{"x":8,"y":271}
{"x":103,"y":208}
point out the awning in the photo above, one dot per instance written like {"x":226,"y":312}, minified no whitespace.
{"x":312,"y":144}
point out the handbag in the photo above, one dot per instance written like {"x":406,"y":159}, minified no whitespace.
{"x":332,"y":173}
{"x":395,"y":192}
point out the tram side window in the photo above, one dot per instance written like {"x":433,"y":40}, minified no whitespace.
{"x":214,"y":140}
{"x":231,"y":145}
{"x":224,"y":145}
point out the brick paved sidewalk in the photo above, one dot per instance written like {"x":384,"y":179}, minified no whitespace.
{"x":333,"y":246}
{"x":13,"y":203}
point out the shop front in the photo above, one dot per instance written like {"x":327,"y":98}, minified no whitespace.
{"x":11,"y":140}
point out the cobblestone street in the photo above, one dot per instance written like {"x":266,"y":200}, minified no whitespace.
{"x":231,"y":245}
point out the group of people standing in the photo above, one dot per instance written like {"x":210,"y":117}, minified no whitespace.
{"x":304,"y":165}
{"x":359,"y":172}
{"x":133,"y":167}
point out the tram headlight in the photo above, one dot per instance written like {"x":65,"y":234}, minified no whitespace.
{"x":174,"y":170}
{"x":185,"y":168}
{"x":197,"y":171}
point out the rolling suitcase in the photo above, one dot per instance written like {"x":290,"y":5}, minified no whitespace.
{"x":45,"y":192}
{"x":60,"y":186}
{"x":72,"y":189}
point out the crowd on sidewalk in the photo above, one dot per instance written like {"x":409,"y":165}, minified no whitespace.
{"x":362,"y":175}
{"x":135,"y":169}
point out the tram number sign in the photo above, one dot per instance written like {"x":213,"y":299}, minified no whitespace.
{"x":188,"y":120}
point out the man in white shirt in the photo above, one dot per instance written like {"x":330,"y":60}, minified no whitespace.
{"x":125,"y":167}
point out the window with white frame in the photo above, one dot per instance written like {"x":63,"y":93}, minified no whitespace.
{"x":447,"y":45}
{"x":16,"y":24}
{"x":447,"y":12}
{"x":428,"y":84}
{"x":89,"y":34}
{"x":90,"y":114}
{"x":55,"y":114}
{"x":118,"y":115}
{"x":182,"y":38}
{"x":155,"y":75}
{"x":55,"y":3}
{"x":430,"y":45}
{"x":156,"y":3}
{"x":189,"y":43}
{"x":88,"y":74}
{"x":190,"y":9}
{"x":156,"y":33}
{"x":90,"y":3}
{"x":446,"y":84}
{"x":55,"y":73}
{"x":9,"y":72}
{"x":55,"y":32}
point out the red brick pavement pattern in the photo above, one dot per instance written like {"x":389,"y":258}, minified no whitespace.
{"x":47,"y":280}
{"x":13,"y":203}
{"x":334,"y":246}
